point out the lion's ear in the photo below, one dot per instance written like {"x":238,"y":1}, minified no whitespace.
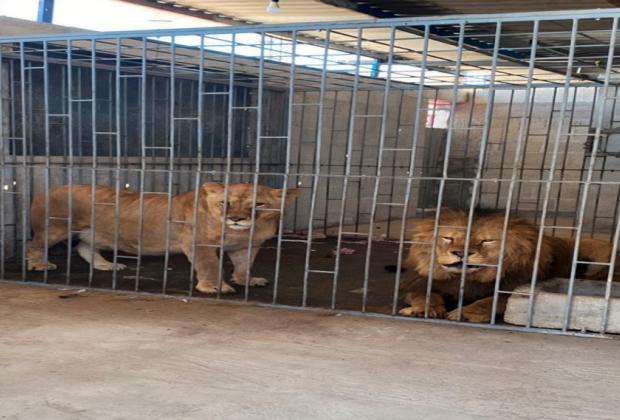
{"x":291,"y":194}
{"x":209,"y":188}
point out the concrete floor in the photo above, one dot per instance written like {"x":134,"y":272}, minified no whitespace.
{"x":105,"y":356}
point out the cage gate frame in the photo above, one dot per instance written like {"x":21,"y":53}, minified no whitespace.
{"x":258,"y":93}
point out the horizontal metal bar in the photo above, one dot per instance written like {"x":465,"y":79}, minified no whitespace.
{"x":305,"y":104}
{"x":604,"y":264}
{"x":185,"y":119}
{"x":244,"y":107}
{"x":390,"y":149}
{"x":321,"y":271}
{"x":104,"y":204}
{"x":506,"y":292}
{"x":273,"y":137}
{"x":559,"y":227}
{"x":301,"y":241}
{"x":106,"y":133}
{"x":215,"y":93}
{"x":57,"y":115}
{"x":57,"y":218}
{"x":81,"y":100}
{"x":391,"y":204}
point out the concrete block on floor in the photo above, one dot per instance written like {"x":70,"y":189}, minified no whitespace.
{"x":587,"y":312}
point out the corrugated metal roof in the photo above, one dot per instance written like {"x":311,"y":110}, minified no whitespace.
{"x":402,"y":8}
{"x":255,"y":11}
{"x":515,"y":41}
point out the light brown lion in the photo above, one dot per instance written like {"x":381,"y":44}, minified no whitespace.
{"x":208,"y":226}
{"x":484,"y":249}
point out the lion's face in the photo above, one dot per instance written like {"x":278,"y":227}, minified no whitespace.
{"x":240,"y":203}
{"x":450,"y":252}
{"x":484,"y":246}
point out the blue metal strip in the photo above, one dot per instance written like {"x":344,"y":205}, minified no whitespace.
{"x":46,"y":11}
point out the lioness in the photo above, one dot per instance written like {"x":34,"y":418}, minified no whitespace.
{"x":208,"y":226}
{"x":484,"y":250}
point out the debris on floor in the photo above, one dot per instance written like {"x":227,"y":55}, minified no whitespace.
{"x":72,"y":294}
{"x":344,"y":251}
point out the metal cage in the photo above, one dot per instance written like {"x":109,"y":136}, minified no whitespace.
{"x":378,"y":123}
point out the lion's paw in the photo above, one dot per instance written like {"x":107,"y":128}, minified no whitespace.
{"x":470,"y":315}
{"x":254,"y":281}
{"x":40,"y":266}
{"x":418,"y":311}
{"x":108,"y":266}
{"x":211,"y":288}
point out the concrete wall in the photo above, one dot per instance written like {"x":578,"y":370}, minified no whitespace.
{"x":541,"y":129}
{"x":364,"y":159}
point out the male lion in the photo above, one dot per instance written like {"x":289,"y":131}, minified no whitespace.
{"x":484,"y":249}
{"x":208,"y":226}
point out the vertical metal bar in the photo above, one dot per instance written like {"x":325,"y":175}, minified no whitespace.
{"x":317,"y":166}
{"x":302,"y":121}
{"x":467,"y":143}
{"x":505,"y":141}
{"x":24,"y":132}
{"x":384,"y":113}
{"x":287,"y":164}
{"x":392,"y":165}
{"x":117,"y":185}
{"x":143,"y":88}
{"x":527,"y":136}
{"x":521,"y":139}
{"x":444,"y":176}
{"x":329,"y":163}
{"x":610,"y":276}
{"x":80,"y":134}
{"x":564,"y":160}
{"x":229,"y":146}
{"x":46,"y":173}
{"x":481,"y":155}
{"x":360,"y":164}
{"x":582,"y":170}
{"x":71,"y":160}
{"x":550,"y":178}
{"x":347,"y":169}
{"x":259,"y":127}
{"x":541,"y":170}
{"x":415,"y":138}
{"x":93,"y":185}
{"x":108,"y":100}
{"x":3,"y":149}
{"x":171,"y":159}
{"x":588,"y":181}
{"x":198,"y":177}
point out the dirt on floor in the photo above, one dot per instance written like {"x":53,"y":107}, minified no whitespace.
{"x":290,"y":285}
{"x":67,"y":354}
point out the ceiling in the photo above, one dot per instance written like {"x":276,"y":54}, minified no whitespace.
{"x":552,"y":47}
{"x":405,"y":8}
